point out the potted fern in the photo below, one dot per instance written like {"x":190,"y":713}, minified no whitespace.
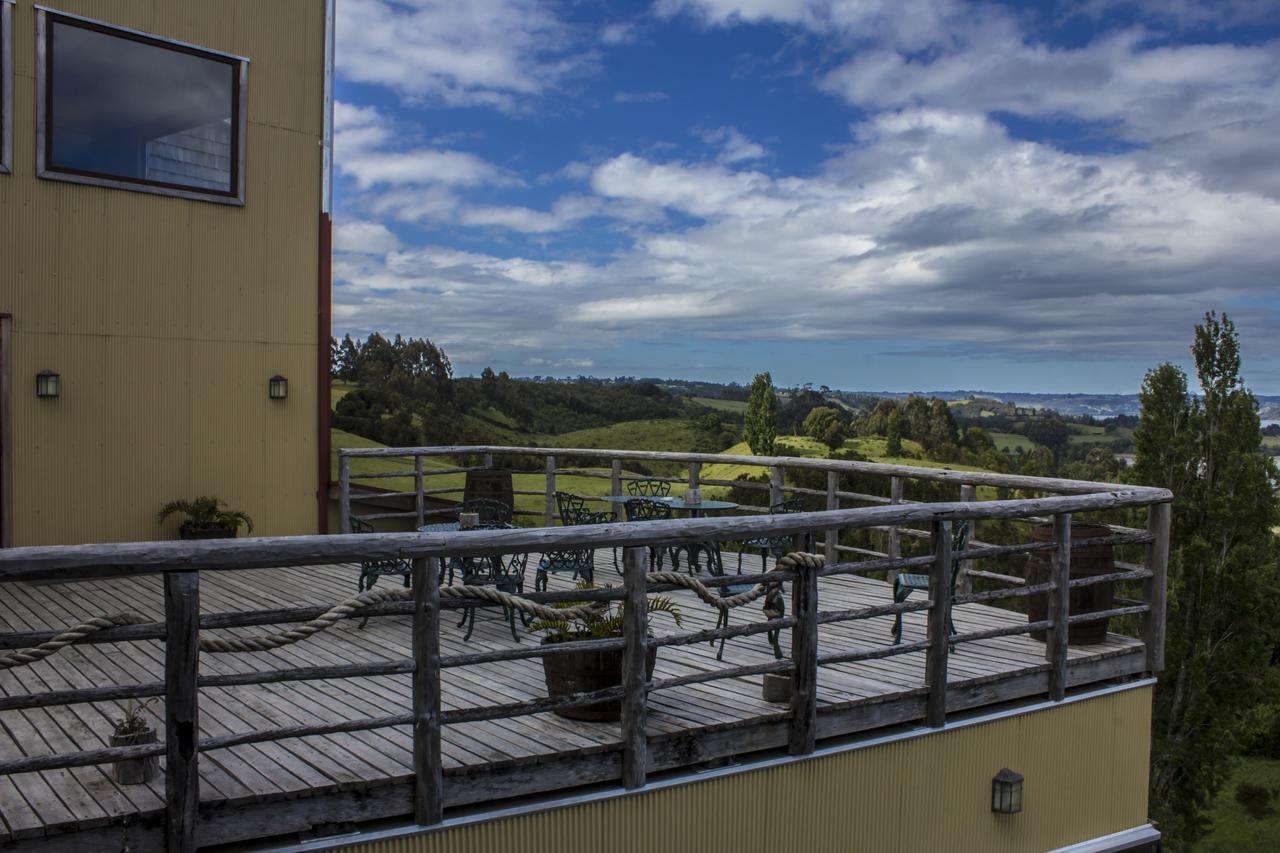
{"x":583,"y":671}
{"x":133,"y":729}
{"x":206,"y":518}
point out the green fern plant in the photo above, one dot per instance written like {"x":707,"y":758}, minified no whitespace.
{"x":607,"y":623}
{"x":206,"y":511}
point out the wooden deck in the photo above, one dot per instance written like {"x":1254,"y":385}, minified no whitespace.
{"x":365,"y":775}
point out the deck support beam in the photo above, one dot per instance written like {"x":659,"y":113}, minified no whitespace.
{"x":803,"y":736}
{"x":635,"y":676}
{"x":1155,"y":591}
{"x":1059,"y":607}
{"x":182,"y":708}
{"x":428,"y":773}
{"x":939,"y":625}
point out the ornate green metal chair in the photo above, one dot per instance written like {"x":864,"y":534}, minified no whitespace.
{"x":489,"y":510}
{"x":648,"y":488}
{"x":774,"y":546}
{"x":906,"y":583}
{"x":505,"y":573}
{"x":643,"y":509}
{"x":775,"y":608}
{"x":371,"y":570}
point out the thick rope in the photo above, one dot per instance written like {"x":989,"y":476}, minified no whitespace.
{"x":344,"y":609}
{"x":22,"y":657}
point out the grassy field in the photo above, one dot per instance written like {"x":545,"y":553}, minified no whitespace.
{"x":1011,"y":441}
{"x":722,"y":405}
{"x":1234,"y":828}
{"x":673,"y":434}
{"x":338,"y":390}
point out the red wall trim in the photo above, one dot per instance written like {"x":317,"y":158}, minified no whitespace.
{"x":323,"y":333}
{"x":6,"y":432}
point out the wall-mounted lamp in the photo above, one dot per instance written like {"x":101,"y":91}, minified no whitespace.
{"x":47,"y":382}
{"x":277,"y":387}
{"x":1006,"y":792}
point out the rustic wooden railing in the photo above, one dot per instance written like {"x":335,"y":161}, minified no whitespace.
{"x":182,"y":563}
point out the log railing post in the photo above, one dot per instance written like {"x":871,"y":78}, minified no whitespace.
{"x":1155,"y":587}
{"x":344,"y":492}
{"x":939,"y":626}
{"x":419,"y":499}
{"x":777,"y":478}
{"x":968,"y":494}
{"x":486,"y":461}
{"x":894,"y":548}
{"x":1055,"y":649}
{"x":615,"y":490}
{"x":182,"y":708}
{"x":428,"y":791}
{"x":549,"y":511}
{"x":695,"y":474}
{"x":832,"y":537}
{"x":635,"y":677}
{"x":803,"y":735}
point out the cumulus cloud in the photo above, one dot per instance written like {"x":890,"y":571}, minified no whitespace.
{"x":933,"y":229}
{"x":495,"y":53}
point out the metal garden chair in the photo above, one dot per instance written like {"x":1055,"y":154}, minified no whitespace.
{"x":775,"y":546}
{"x":371,"y":570}
{"x":643,"y":509}
{"x":503,"y":572}
{"x":722,"y":621}
{"x":648,"y":488}
{"x":489,"y":510}
{"x":906,"y":583}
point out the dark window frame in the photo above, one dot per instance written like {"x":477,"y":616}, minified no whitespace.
{"x":6,"y":86}
{"x":45,"y":18}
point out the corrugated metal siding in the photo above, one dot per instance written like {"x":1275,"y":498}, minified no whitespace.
{"x":1086,"y":775}
{"x":166,"y":317}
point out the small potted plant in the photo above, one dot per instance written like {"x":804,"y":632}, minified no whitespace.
{"x":133,"y":729}
{"x":206,"y":518}
{"x":583,"y":671}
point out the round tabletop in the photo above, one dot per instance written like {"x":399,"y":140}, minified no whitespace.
{"x":671,"y":501}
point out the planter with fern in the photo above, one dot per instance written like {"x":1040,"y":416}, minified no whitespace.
{"x":133,"y":729}
{"x":207,"y":518}
{"x":573,"y":672}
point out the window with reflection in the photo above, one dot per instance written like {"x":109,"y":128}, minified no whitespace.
{"x":6,"y":85}
{"x":128,"y":110}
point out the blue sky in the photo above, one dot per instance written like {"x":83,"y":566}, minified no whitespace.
{"x":866,"y":194}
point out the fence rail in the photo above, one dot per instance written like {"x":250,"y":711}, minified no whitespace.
{"x":183,"y":563}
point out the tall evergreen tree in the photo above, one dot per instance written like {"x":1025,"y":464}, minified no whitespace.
{"x":760,"y":427}
{"x":1223,"y":572}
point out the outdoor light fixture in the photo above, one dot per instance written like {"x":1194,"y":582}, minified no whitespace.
{"x":47,"y":383}
{"x":277,"y":387}
{"x":1006,"y":792}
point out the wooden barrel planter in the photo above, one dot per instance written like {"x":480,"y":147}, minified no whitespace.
{"x":580,"y":672}
{"x":1088,"y":561}
{"x":211,"y":531}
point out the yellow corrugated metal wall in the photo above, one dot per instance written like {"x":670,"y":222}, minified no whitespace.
{"x":166,"y":317}
{"x":1085,"y":765}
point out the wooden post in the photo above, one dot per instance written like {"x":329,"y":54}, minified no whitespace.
{"x":344,"y":492}
{"x":182,"y":708}
{"x":549,"y":512}
{"x":615,"y":490}
{"x":695,"y":474}
{"x":635,"y":678}
{"x":894,"y":548}
{"x":1155,"y":588}
{"x":804,"y":659}
{"x":1055,"y":649}
{"x":428,"y":791}
{"x":833,"y":534}
{"x":776,"y":482}
{"x":419,"y":500}
{"x":939,"y":637}
{"x":968,"y":494}
{"x":486,"y":461}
